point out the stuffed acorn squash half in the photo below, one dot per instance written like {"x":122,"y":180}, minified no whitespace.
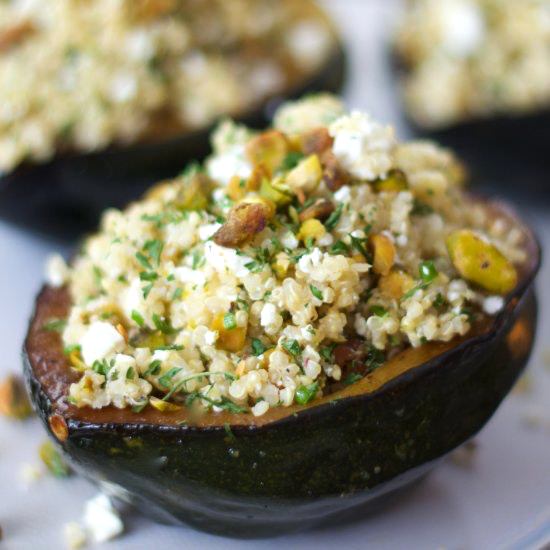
{"x":101,"y":100}
{"x":475,"y":76}
{"x":305,"y":322}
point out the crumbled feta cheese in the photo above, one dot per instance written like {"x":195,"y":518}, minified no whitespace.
{"x":362,"y":145}
{"x":100,"y":340}
{"x":123,"y":87}
{"x":308,"y":42}
{"x":462,"y":27}
{"x":270,"y":319}
{"x":57,"y":271}
{"x":343,"y":194}
{"x":75,"y":535}
{"x":192,"y":276}
{"x":231,"y":163}
{"x":101,"y":519}
{"x":139,"y":45}
{"x":289,"y":240}
{"x":226,"y":259}
{"x":206,"y":231}
{"x":30,"y":473}
{"x":210,"y":337}
{"x":493,"y":304}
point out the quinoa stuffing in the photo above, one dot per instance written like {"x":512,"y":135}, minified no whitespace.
{"x":292,"y":261}
{"x":474,"y":58}
{"x":82,"y":75}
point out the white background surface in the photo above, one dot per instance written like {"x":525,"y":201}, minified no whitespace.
{"x":502,"y":500}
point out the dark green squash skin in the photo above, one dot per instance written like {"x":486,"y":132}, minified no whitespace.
{"x":319,"y":463}
{"x":64,"y":197}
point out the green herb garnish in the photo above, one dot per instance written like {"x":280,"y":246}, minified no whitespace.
{"x":165,"y":379}
{"x":54,"y":325}
{"x":153,"y":369}
{"x":257,"y":347}
{"x":291,"y":160}
{"x":334,"y":218}
{"x":379,"y":311}
{"x":137,"y":318}
{"x":316,"y":292}
{"x":351,"y":378}
{"x":229,"y":321}
{"x":427,"y":271}
{"x":304,"y":394}
{"x":292,"y":347}
{"x":163,"y":325}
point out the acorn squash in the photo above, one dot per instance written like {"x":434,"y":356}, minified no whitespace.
{"x":293,"y":467}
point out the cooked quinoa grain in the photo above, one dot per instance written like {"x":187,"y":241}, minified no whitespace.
{"x":83,"y":75}
{"x":214,"y":292}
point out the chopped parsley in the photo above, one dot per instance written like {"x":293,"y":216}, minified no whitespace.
{"x":379,"y":311}
{"x":153,"y":369}
{"x":439,"y":301}
{"x":170,"y":347}
{"x":229,"y":321}
{"x":334,"y":218}
{"x":254,"y":266}
{"x":257,"y":347}
{"x":304,"y":394}
{"x":165,"y":379}
{"x":154,"y":249}
{"x":224,"y":403}
{"x":163,"y":325}
{"x":351,"y":378}
{"x":54,"y":325}
{"x":291,"y":160}
{"x":103,"y":366}
{"x":427,"y":271}
{"x":339,"y":247}
{"x":148,"y":276}
{"x":327,"y":353}
{"x":316,"y":292}
{"x":421,"y":208}
{"x":293,"y":347}
{"x":197,"y":260}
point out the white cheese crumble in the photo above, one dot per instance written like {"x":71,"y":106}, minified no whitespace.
{"x":75,"y":535}
{"x":57,"y":271}
{"x":462,"y":27}
{"x":226,"y":259}
{"x":100,"y":340}
{"x":362,"y":145}
{"x":30,"y":474}
{"x":493,"y":304}
{"x":101,"y":519}
{"x":232,"y":162}
{"x":192,"y":276}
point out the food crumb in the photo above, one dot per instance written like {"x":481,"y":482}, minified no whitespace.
{"x":75,"y":535}
{"x":101,"y":519}
{"x":14,"y":402}
{"x":30,"y":473}
{"x":524,"y":386}
{"x":464,"y":456}
{"x":536,"y":418}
